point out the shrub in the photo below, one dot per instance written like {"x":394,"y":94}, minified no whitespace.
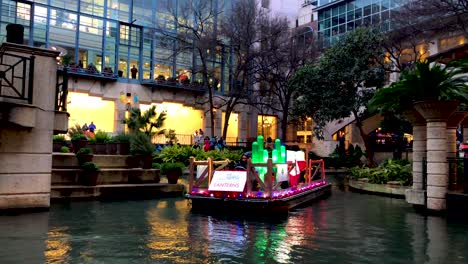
{"x":89,"y":167}
{"x":140,"y":144}
{"x":64,"y":149}
{"x":156,"y":165}
{"x":58,"y":138}
{"x":78,"y":137}
{"x":84,"y":151}
{"x":101,"y":137}
{"x":121,"y":138}
{"x":172,"y":166}
{"x":389,"y":170}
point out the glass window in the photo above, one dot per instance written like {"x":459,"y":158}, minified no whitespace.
{"x":385,"y":5}
{"x":358,"y":13}
{"x":65,"y":4}
{"x":334,"y":21}
{"x":342,"y":19}
{"x":350,"y":6}
{"x":375,"y":8}
{"x":350,"y":26}
{"x":335,"y":11}
{"x":327,"y":14}
{"x":63,"y":26}
{"x":92,"y":7}
{"x":350,"y":16}
{"x":367,"y":10}
{"x":376,"y":19}
{"x":342,"y":9}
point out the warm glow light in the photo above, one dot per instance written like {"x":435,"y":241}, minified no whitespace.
{"x":86,"y":109}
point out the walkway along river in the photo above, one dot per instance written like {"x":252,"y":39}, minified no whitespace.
{"x":347,"y":227}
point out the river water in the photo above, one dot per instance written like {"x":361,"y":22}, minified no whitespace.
{"x":344,"y":228}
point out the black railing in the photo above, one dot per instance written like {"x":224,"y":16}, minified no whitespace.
{"x":458,"y":175}
{"x":61,"y":91}
{"x":16,"y":77}
{"x":175,"y":84}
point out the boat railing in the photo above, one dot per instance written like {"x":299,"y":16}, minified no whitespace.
{"x":199,"y":184}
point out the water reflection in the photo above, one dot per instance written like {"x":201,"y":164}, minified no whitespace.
{"x":345,"y":228}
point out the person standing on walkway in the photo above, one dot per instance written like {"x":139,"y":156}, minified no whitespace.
{"x":92,"y":127}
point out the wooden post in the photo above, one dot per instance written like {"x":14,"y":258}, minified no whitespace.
{"x":267,"y":178}
{"x":210,"y":170}
{"x":249,"y":177}
{"x":191,"y":172}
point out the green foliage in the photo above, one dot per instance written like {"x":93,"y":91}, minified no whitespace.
{"x":339,"y":83}
{"x":122,"y":138}
{"x":84,"y":151}
{"x":183,"y":153}
{"x":171,"y":135}
{"x":74,"y":131}
{"x":172,"y":166}
{"x":102,"y":137}
{"x":389,"y":170}
{"x":77,"y":137}
{"x":350,"y":158}
{"x":423,"y":82}
{"x":156,"y":165}
{"x":89,"y":167}
{"x":140,"y":144}
{"x":58,"y":138}
{"x":64,"y":149}
{"x":148,"y":122}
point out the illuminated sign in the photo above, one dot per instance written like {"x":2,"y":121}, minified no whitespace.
{"x":228,"y":181}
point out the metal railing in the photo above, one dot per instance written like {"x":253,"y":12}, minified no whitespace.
{"x":61,"y":91}
{"x":16,"y":77}
{"x":457,"y":174}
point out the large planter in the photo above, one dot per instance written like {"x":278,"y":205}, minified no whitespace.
{"x":132,"y":161}
{"x":85,"y":158}
{"x":88,"y":179}
{"x":79,"y":144}
{"x":111,"y":148}
{"x":123,"y":148}
{"x":146,"y":161}
{"x":100,"y":148}
{"x":436,"y":110}
{"x":173,"y":176}
{"x":56,"y":146}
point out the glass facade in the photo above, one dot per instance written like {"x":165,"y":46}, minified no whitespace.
{"x":116,"y":34}
{"x":345,"y":16}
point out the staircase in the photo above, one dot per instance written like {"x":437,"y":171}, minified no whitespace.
{"x":115,"y":180}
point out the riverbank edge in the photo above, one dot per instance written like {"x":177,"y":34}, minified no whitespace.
{"x":393,"y":190}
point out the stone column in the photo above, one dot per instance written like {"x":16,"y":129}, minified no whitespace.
{"x":436,"y":114}
{"x":26,"y":132}
{"x":465,"y":130}
{"x":452,"y":124}
{"x":416,"y":195}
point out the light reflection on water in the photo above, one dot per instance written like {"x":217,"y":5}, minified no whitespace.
{"x":345,"y":228}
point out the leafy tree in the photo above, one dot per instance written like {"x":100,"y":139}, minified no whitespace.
{"x":148,"y":122}
{"x":343,"y":81}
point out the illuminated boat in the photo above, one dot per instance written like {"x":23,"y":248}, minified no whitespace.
{"x":278,"y":190}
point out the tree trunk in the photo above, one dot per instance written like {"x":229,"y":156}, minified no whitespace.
{"x":365,"y":139}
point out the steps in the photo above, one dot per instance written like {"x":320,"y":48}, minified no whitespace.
{"x":115,"y":180}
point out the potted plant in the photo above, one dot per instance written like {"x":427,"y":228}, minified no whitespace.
{"x":112,"y":146}
{"x":123,"y":143}
{"x":58,"y":142}
{"x":173,"y":171}
{"x":84,"y":155}
{"x":101,"y":142}
{"x":142,"y":147}
{"x":89,"y":174}
{"x":64,"y":149}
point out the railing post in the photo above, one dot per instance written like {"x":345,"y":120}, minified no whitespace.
{"x":31,"y":79}
{"x":191,"y":172}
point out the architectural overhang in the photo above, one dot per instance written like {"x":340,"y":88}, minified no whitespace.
{"x":81,"y":73}
{"x":173,"y":87}
{"x":369,"y":124}
{"x":327,"y":6}
{"x":458,"y":52}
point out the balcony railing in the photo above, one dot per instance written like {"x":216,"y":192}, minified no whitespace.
{"x":16,"y":77}
{"x":174,"y":84}
{"x":61,"y":91}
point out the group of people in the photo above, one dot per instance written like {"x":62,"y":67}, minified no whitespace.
{"x":207,"y":143}
{"x":89,"y":130}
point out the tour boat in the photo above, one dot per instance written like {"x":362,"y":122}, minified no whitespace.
{"x":280,"y":186}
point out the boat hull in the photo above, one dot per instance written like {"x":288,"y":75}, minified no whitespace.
{"x":252,"y":205}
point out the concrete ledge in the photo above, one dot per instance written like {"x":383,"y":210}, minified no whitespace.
{"x":60,"y":122}
{"x":69,"y":160}
{"x":107,"y":176}
{"x":25,"y":201}
{"x":416,"y":197}
{"x":23,"y":115}
{"x":380,"y":189}
{"x":117,"y":191}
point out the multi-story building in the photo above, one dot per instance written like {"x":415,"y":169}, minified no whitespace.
{"x":118,"y":57}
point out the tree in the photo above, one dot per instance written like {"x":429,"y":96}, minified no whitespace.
{"x":148,"y":122}
{"x":196,"y":33}
{"x":280,"y":56}
{"x":343,"y":81}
